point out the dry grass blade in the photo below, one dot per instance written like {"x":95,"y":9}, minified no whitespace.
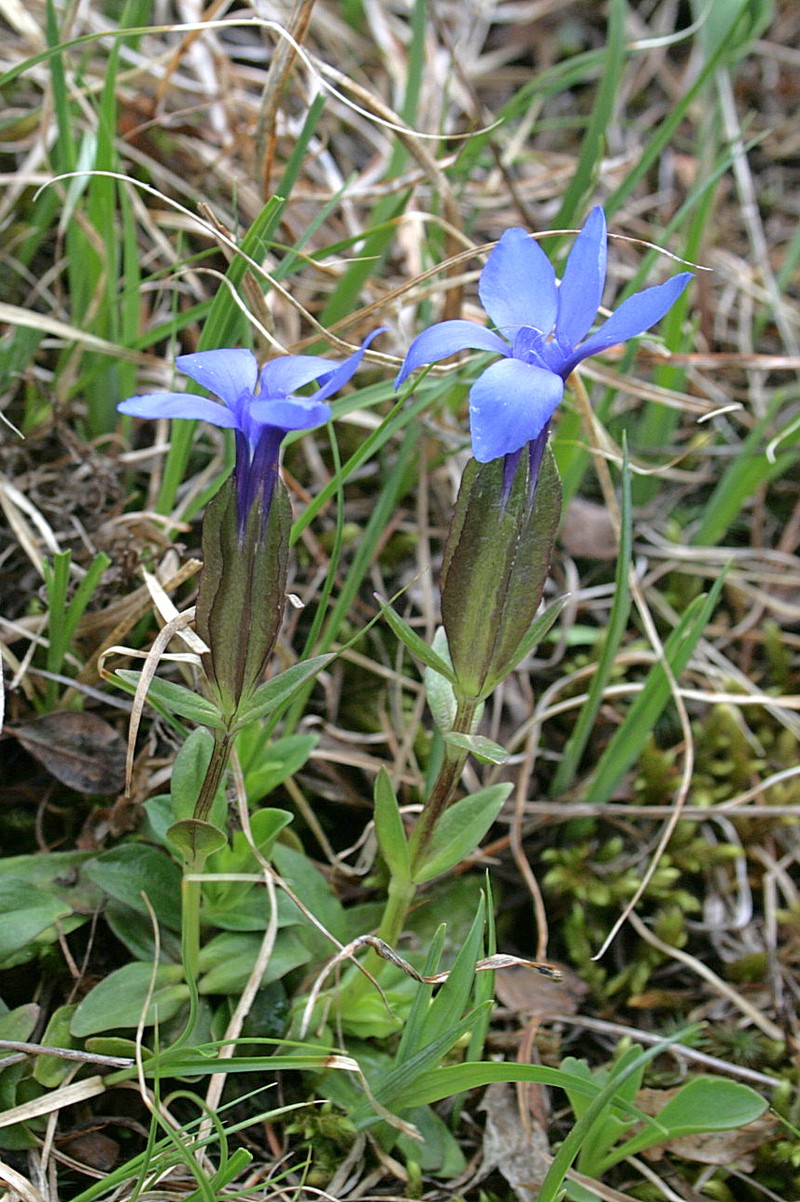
{"x":57,"y":1099}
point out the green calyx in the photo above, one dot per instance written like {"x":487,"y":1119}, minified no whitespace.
{"x":242,"y":592}
{"x":496,"y":563}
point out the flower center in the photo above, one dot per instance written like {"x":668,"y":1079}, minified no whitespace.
{"x":530,"y":346}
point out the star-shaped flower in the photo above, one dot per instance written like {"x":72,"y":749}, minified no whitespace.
{"x":541,"y":325}
{"x":260,"y":407}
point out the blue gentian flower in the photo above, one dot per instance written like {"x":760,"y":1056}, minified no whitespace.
{"x":260,"y":407}
{"x":541,"y":325}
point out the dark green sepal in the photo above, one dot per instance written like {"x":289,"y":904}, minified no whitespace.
{"x":496,"y":562}
{"x":242,"y":591}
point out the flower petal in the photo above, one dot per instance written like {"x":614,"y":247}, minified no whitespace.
{"x":179,"y":404}
{"x":344,"y":371}
{"x":635,"y":315}
{"x":509,"y":405}
{"x":290,"y":413}
{"x":446,"y":338}
{"x":581,"y":289}
{"x":518,"y":285}
{"x":282,"y":376}
{"x":225,"y":373}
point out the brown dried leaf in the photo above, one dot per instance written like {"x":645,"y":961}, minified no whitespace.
{"x":93,"y":1149}
{"x":537,"y":996}
{"x":78,"y":749}
{"x":522,"y":1154}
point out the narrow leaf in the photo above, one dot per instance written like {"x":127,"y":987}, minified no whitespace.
{"x":274,"y":692}
{"x":485,"y":750}
{"x":175,"y":698}
{"x":389,"y":829}
{"x":416,"y":645}
{"x":461,"y":829}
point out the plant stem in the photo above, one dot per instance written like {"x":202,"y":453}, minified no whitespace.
{"x":444,"y":787}
{"x":401,"y":892}
{"x":216,"y":769}
{"x":194,"y":863}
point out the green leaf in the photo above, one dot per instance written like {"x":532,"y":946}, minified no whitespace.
{"x":51,"y":1071}
{"x":439,"y":1151}
{"x":450,"y":1002}
{"x":265,"y":827}
{"x":460,"y":830}
{"x":389,"y":829}
{"x":416,"y":645}
{"x":438,"y":689}
{"x":703,"y":1104}
{"x":195,"y":839}
{"x":537,"y":630}
{"x":265,"y":763}
{"x":20,"y":1023}
{"x":226,"y":961}
{"x":242,"y":905}
{"x":132,"y":869}
{"x":608,"y":1127}
{"x":485,"y":750}
{"x":119,"y":1000}
{"x":188,"y":773}
{"x":275,"y":692}
{"x":730,"y":25}
{"x":711,"y":1104}
{"x":316,"y":894}
{"x":25,"y":913}
{"x":134,"y":929}
{"x":175,"y":698}
{"x":414,"y":1037}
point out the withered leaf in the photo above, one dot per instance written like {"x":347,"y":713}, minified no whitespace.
{"x":535,"y":996}
{"x":522,"y":1155}
{"x":79,"y":749}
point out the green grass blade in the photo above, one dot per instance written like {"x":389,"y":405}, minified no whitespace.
{"x":629,"y":740}
{"x":615,"y":632}
{"x":748,"y":471}
{"x":412,"y":1039}
{"x":582,"y":184}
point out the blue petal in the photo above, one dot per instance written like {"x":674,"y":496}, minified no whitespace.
{"x":635,"y":315}
{"x":281,"y":377}
{"x":581,"y":288}
{"x":290,"y":413}
{"x":344,"y":371}
{"x":225,"y":373}
{"x":518,"y":285}
{"x":446,"y":338}
{"x":178,"y":404}
{"x":509,"y":405}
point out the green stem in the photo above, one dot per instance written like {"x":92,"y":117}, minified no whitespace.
{"x":220,"y":755}
{"x":194,"y":859}
{"x":190,"y":948}
{"x":401,"y":892}
{"x":444,"y":787}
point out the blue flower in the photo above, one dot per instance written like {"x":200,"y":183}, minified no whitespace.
{"x":541,"y":325}
{"x":260,"y":407}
